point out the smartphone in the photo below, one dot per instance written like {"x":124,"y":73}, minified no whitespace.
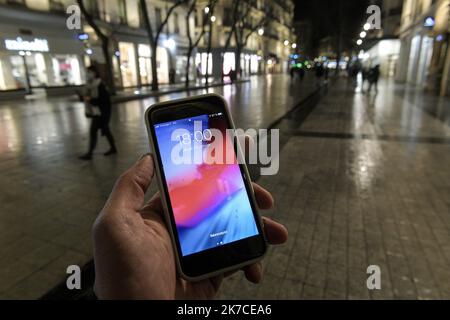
{"x":207,"y":195}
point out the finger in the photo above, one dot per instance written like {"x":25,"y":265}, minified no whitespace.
{"x":276,"y":233}
{"x":253,"y":272}
{"x":154,"y":206}
{"x":263,"y":197}
{"x":155,"y":203}
{"x":130,"y":188}
{"x":230,"y":273}
{"x":216,"y":282}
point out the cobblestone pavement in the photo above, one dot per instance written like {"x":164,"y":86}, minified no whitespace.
{"x":363,"y":181}
{"x":49,"y":199}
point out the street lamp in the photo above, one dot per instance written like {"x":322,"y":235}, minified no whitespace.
{"x":363,"y":34}
{"x":206,"y":10}
{"x":286,"y":43}
{"x":213,"y":18}
{"x":367,"y":27}
{"x":260,"y":31}
{"x":359,"y":42}
{"x":294,"y":45}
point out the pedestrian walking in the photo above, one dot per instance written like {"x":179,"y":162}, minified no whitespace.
{"x":98,"y":108}
{"x":320,"y":72}
{"x":301,"y":73}
{"x":292,"y":73}
{"x":372,"y":77}
{"x":365,"y":74}
{"x":172,"y":75}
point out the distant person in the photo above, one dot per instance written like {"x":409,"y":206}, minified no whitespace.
{"x":233,"y":75}
{"x":355,"y":69}
{"x":199,"y":71}
{"x":373,"y":76}
{"x":292,"y":73}
{"x":320,"y":72}
{"x":365,"y":74}
{"x":172,"y":74}
{"x":301,"y":73}
{"x":99,"y":110}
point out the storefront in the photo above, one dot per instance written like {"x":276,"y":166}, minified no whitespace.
{"x":128,"y":67}
{"x":249,"y":63}
{"x":385,"y":54}
{"x":136,"y":65}
{"x":202,"y":62}
{"x":30,"y":62}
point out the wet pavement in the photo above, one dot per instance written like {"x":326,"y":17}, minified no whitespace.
{"x":49,"y":199}
{"x":364,"y":180}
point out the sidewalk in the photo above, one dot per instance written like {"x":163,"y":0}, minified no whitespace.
{"x":363,"y":181}
{"x":164,"y":89}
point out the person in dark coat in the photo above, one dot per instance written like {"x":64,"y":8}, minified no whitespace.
{"x":373,"y":76}
{"x":97,"y":97}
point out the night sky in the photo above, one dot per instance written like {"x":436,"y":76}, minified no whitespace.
{"x":324,"y":16}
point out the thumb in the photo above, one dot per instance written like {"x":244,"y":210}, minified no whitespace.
{"x":129,"y":190}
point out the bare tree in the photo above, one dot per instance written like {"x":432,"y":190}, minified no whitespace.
{"x":193,"y":40}
{"x":104,"y":39}
{"x":154,"y":37}
{"x":245,"y":27}
{"x":231,"y":33}
{"x":211,"y":6}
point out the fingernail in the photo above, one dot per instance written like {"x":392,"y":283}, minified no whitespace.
{"x":144,"y":155}
{"x":260,"y":267}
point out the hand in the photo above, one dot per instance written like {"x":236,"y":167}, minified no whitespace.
{"x":133,"y":253}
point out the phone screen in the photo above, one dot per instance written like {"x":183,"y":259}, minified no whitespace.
{"x":206,"y":187}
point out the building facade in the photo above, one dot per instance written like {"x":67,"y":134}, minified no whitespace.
{"x":33,"y":50}
{"x":382,"y":47}
{"x":424,"y":54}
{"x":268,"y":47}
{"x":37,"y":50}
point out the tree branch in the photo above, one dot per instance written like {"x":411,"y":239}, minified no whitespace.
{"x":147,"y":23}
{"x":169,"y":12}
{"x":90,"y":21}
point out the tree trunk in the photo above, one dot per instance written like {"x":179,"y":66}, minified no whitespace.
{"x":208,"y":50}
{"x":104,"y":45}
{"x":237,"y":62}
{"x":339,"y":36}
{"x":155,"y":86}
{"x":188,"y":67}
{"x":225,"y":49}
{"x":109,"y":74}
{"x":153,"y":44}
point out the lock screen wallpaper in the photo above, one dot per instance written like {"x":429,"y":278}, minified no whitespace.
{"x":209,"y":200}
